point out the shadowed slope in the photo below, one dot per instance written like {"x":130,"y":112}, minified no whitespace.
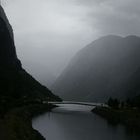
{"x":101,"y":70}
{"x":16,"y":85}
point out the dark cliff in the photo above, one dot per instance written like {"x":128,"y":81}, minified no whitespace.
{"x":15,"y":82}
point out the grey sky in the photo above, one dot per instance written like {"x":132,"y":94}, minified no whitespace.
{"x":49,"y":32}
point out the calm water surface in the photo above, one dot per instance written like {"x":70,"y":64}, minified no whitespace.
{"x":75,"y":122}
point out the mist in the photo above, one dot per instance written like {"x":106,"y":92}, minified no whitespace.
{"x":48,"y":33}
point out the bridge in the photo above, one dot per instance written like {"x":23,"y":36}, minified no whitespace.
{"x":78,"y":103}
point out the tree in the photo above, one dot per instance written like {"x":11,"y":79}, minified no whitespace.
{"x":110,"y":102}
{"x":114,"y":103}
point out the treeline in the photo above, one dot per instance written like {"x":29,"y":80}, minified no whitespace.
{"x":129,"y":103}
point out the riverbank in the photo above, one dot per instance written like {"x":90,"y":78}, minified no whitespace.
{"x":128,"y":117}
{"x":17,"y":123}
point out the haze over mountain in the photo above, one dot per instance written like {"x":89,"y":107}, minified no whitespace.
{"x":48,"y":33}
{"x":105,"y":68}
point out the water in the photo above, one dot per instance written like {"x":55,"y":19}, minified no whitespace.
{"x":76,"y":122}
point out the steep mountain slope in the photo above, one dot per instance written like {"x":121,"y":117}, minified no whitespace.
{"x":102,"y":69}
{"x":15,"y":82}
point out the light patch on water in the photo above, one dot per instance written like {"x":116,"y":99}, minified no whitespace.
{"x":73,"y":107}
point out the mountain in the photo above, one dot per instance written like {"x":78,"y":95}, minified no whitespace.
{"x":15,"y":82}
{"x":108,"y":67}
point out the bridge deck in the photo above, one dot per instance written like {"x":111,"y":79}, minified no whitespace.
{"x":79,"y":103}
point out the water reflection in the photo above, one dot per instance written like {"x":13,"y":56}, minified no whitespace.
{"x":78,"y":123}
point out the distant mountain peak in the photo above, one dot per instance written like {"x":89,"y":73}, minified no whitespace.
{"x":132,"y":37}
{"x":106,"y":38}
{"x":111,"y":36}
{"x":4,"y":17}
{"x":115,"y":37}
{"x":101,"y":70}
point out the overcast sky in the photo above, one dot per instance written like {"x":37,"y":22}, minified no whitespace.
{"x":49,"y":32}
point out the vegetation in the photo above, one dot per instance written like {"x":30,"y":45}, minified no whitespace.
{"x":125,"y":112}
{"x":114,"y":103}
{"x":129,"y":103}
{"x":17,"y":123}
{"x":21,"y":99}
{"x":134,"y":102}
{"x":128,"y":117}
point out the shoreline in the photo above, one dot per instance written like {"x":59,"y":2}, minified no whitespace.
{"x":17,"y":123}
{"x":128,"y":117}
